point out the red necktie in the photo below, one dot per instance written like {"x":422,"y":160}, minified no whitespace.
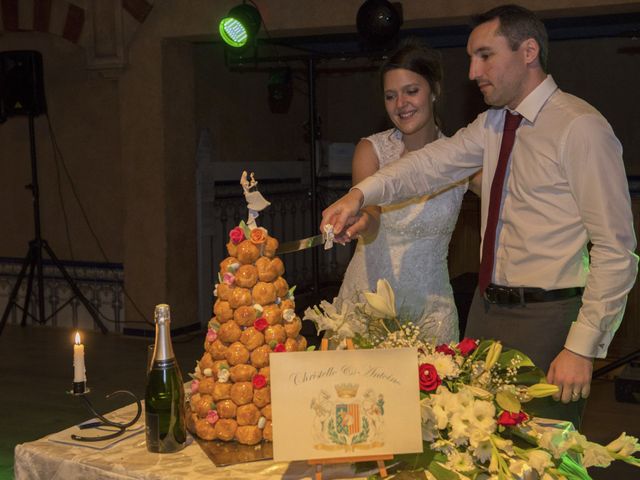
{"x":511,"y":123}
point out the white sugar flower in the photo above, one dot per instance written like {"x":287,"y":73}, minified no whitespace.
{"x":262,"y":422}
{"x":383,"y":302}
{"x":288,"y":315}
{"x":223,"y":375}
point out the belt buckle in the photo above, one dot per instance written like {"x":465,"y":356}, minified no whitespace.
{"x":502,"y":295}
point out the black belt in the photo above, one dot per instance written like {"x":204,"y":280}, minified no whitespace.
{"x":520,"y":295}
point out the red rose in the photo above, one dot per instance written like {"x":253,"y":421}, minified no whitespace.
{"x":279,"y":348}
{"x":467,"y":345}
{"x":446,"y":349}
{"x":428,"y":376}
{"x":236,"y":235}
{"x":260,"y":324}
{"x":259,"y":381}
{"x":509,"y":419}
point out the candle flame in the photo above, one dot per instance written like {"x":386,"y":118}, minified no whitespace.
{"x":78,"y":342}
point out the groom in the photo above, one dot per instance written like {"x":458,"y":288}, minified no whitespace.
{"x":553,"y":181}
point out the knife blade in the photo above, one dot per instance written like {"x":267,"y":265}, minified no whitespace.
{"x":297,"y":245}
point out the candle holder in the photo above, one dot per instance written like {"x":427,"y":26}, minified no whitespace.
{"x":81,"y":390}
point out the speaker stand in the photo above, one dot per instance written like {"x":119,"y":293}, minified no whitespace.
{"x":33,"y":261}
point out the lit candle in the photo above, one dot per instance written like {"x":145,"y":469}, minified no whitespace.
{"x":79,"y":373}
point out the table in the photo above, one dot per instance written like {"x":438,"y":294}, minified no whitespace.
{"x":45,"y":459}
{"x":129,"y":459}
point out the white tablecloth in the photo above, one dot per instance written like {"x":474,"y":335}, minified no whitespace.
{"x":45,"y":459}
{"x":48,"y":459}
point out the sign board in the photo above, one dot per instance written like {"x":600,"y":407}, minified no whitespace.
{"x":345,"y":403}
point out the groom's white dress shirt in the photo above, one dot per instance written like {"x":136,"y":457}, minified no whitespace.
{"x":565,"y":186}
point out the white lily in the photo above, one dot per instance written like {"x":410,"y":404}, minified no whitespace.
{"x":624,"y":445}
{"x":383,"y":302}
{"x":493,"y":354}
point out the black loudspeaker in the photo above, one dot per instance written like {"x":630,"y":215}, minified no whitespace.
{"x":21,"y":84}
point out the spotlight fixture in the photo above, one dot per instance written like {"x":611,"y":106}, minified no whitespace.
{"x":240,"y":25}
{"x":378,"y":21}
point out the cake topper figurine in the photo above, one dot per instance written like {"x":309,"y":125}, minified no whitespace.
{"x":255,"y":201}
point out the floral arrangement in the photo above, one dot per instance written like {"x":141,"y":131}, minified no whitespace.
{"x":474,"y":393}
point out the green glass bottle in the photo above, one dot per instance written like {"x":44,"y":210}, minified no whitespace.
{"x":164,"y":396}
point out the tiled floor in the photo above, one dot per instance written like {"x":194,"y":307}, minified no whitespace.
{"x":36,"y":370}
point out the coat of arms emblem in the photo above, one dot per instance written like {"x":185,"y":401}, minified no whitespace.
{"x":347,"y":421}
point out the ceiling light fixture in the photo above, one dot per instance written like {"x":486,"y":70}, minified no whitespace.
{"x":379,"y":21}
{"x":240,"y":25}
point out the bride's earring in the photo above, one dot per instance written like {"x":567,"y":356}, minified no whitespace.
{"x":433,"y":98}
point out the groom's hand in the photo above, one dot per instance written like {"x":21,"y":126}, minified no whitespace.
{"x":572,"y":374}
{"x":343,"y":213}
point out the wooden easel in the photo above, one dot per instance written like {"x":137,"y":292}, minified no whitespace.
{"x":379,"y":459}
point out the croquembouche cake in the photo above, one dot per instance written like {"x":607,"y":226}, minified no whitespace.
{"x":253,"y":317}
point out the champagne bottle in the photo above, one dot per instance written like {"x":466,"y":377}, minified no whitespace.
{"x":164,"y":396}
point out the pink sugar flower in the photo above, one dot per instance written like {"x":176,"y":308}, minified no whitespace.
{"x":212,"y":417}
{"x":212,"y":335}
{"x":195,"y":385}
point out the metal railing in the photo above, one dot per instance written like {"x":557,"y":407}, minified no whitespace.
{"x":101,"y":283}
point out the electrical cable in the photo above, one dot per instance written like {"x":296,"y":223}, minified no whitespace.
{"x":61,"y":196}
{"x":57,"y":154}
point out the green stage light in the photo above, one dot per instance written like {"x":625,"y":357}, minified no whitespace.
{"x":240,"y":25}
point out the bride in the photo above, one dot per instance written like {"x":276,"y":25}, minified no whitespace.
{"x":407,"y":243}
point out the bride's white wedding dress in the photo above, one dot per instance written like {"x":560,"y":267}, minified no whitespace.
{"x":410,"y":251}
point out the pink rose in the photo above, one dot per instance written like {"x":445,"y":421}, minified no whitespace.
{"x":428,"y":377}
{"x":279,"y":348}
{"x":228,"y":278}
{"x":212,"y":335}
{"x":260,"y":324}
{"x":467,"y":345}
{"x":236,"y":235}
{"x":195,"y":385}
{"x":259,"y":381}
{"x":446,"y":349}
{"x":212,"y":417}
{"x":509,"y":419}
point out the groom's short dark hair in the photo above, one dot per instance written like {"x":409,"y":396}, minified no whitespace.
{"x":516,"y":25}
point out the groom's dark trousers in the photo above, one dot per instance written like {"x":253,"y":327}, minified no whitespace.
{"x":537,"y":329}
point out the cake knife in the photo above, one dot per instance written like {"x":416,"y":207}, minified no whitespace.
{"x":297,"y":245}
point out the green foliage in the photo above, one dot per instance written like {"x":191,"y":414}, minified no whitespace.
{"x":245,"y":229}
{"x":508,"y":356}
{"x":337,"y":438}
{"x":364,"y":433}
{"x":571,"y":469}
